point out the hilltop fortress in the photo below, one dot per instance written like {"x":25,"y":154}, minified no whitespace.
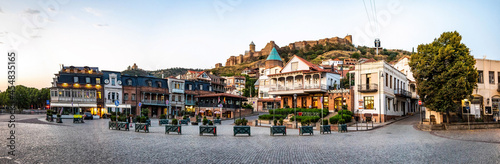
{"x":252,"y":55}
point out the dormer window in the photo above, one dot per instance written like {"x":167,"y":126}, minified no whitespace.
{"x":150,"y":83}
{"x":129,"y":81}
{"x":75,"y":79}
{"x":87,"y":80}
{"x":159,"y":84}
{"x":113,"y":81}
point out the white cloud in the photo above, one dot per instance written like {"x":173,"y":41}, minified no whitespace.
{"x":31,"y":11}
{"x":92,"y":11}
{"x":101,"y":25}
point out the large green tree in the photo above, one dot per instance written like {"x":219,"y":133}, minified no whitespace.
{"x":444,"y":71}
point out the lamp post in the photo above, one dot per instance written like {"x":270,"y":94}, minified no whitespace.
{"x":380,"y":98}
{"x":295,"y":109}
{"x":468,"y":112}
{"x":274,"y":110}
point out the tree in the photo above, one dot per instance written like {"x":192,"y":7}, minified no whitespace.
{"x":355,"y":55}
{"x":444,"y":71}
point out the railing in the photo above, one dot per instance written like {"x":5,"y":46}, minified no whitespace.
{"x":298,"y":87}
{"x":402,"y":92}
{"x":217,"y":105}
{"x":368,"y":87}
{"x":69,"y":99}
{"x":162,"y":102}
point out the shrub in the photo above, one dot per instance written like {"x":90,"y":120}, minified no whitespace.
{"x":145,"y":111}
{"x":210,"y":123}
{"x":275,"y":121}
{"x":341,"y":121}
{"x":175,"y":121}
{"x":218,"y":117}
{"x":305,"y":122}
{"x":237,"y":122}
{"x":300,"y":118}
{"x":244,"y":122}
{"x":113,"y":117}
{"x":270,"y":116}
{"x":163,"y":116}
{"x":335,"y":119}
{"x":184,"y":117}
{"x":281,"y":121}
{"x":196,"y":118}
{"x":205,"y":121}
{"x":143,"y":119}
{"x":324,"y":122}
{"x":347,"y":117}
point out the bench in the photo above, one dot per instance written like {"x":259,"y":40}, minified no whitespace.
{"x":208,"y":129}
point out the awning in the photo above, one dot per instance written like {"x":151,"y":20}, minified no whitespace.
{"x":73,"y":105}
{"x":119,"y":106}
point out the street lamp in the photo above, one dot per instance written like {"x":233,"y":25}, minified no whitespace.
{"x":380,"y":98}
{"x":274,"y":110}
{"x":295,"y":109}
{"x":468,"y":110}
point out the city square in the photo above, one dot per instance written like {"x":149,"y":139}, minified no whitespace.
{"x":92,"y":142}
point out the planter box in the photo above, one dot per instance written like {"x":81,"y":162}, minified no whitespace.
{"x":306,"y":129}
{"x":142,"y":126}
{"x":59,"y":120}
{"x":173,"y":128}
{"x":209,"y":129}
{"x":217,"y":121}
{"x":342,"y":128}
{"x":148,"y":122}
{"x":162,"y":121}
{"x":118,"y":125}
{"x":50,"y":118}
{"x":183,"y":122}
{"x":78,"y":120}
{"x":278,"y":130}
{"x":325,"y":129}
{"x":241,"y":130}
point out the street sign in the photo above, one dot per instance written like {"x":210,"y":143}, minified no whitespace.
{"x":117,"y":102}
{"x":47,"y":102}
{"x":419,"y":102}
{"x":140,"y":104}
{"x":167,"y":102}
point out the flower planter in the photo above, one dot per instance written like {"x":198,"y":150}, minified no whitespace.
{"x":325,"y":129}
{"x":217,"y":121}
{"x":183,"y":122}
{"x":342,"y":128}
{"x":148,"y":122}
{"x":241,"y":130}
{"x":78,"y":120}
{"x":162,"y":121}
{"x":50,"y":118}
{"x":209,"y":129}
{"x":118,"y":125}
{"x":59,"y":120}
{"x":173,"y":128}
{"x":278,"y":130}
{"x":306,"y":129}
{"x":142,"y":126}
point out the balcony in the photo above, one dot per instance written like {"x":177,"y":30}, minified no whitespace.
{"x":153,"y":102}
{"x":298,"y":88}
{"x":217,"y":105}
{"x":402,"y":93}
{"x":365,"y":88}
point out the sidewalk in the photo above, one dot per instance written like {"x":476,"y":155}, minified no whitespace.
{"x":363,"y":126}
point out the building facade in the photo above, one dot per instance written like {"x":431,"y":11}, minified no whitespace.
{"x":113,"y":92}
{"x":76,"y":90}
{"x":380,"y":92}
{"x":146,"y":92}
{"x":235,"y":84}
{"x":222,"y":104}
{"x":485,"y":99}
{"x":403,"y":66}
{"x":176,"y":96}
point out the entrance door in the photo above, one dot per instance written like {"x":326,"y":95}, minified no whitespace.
{"x":368,"y":76}
{"x":403,"y":107}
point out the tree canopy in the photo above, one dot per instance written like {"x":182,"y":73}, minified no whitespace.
{"x":444,"y":71}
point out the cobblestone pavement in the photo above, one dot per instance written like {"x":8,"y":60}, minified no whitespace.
{"x":478,"y":135}
{"x":93,"y":142}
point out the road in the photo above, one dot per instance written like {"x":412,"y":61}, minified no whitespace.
{"x":92,"y":142}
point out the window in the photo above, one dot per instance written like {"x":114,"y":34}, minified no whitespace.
{"x":159,"y":84}
{"x":176,"y":98}
{"x":395,"y":83}
{"x":150,"y":84}
{"x":390,"y":85}
{"x":129,"y":81}
{"x":133,"y":97}
{"x":125,"y":96}
{"x":368,"y":100}
{"x":315,"y":102}
{"x":285,"y":102}
{"x":75,"y":79}
{"x":492,"y":77}
{"x":98,"y":80}
{"x":87,"y":80}
{"x":113,"y":81}
{"x":304,"y":102}
{"x":325,"y":102}
{"x":201,"y":87}
{"x":295,"y":66}
{"x":386,"y":82}
{"x":190,"y":87}
{"x":480,"y":77}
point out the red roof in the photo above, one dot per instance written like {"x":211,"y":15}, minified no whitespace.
{"x":311,"y":65}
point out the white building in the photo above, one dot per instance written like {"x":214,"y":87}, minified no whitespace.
{"x":113,"y":92}
{"x":403,"y":65}
{"x":176,"y":96}
{"x":333,"y":62}
{"x":380,"y":92}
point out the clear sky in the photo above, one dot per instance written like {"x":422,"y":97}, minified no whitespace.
{"x":112,"y":35}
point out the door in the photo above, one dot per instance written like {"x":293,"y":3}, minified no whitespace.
{"x":368,"y":76}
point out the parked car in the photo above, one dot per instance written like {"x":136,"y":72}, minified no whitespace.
{"x":88,"y":115}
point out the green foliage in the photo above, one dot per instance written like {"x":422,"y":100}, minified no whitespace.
{"x":113,"y":118}
{"x":275,"y":121}
{"x":175,"y":121}
{"x":355,"y":55}
{"x":25,"y":97}
{"x":305,"y":121}
{"x":145,"y":111}
{"x":237,"y":122}
{"x":163,"y":116}
{"x":244,"y":122}
{"x":270,"y":116}
{"x":205,"y":121}
{"x":281,"y":121}
{"x":300,"y":118}
{"x":142,"y":119}
{"x":249,"y":86}
{"x":184,"y":117}
{"x":324,"y":122}
{"x":444,"y":71}
{"x":341,"y":121}
{"x":305,"y":111}
{"x":210,"y":123}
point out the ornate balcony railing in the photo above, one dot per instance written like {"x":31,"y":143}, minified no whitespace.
{"x":298,"y":87}
{"x":368,"y":87}
{"x":402,"y":92}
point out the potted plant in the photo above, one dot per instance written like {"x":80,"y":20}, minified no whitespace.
{"x":342,"y":125}
{"x":210,"y":128}
{"x":217,"y":121}
{"x":305,"y":128}
{"x":49,"y":116}
{"x":143,"y":124}
{"x":163,"y":120}
{"x":173,"y":127}
{"x":324,"y":127}
{"x":241,"y":127}
{"x":278,"y":129}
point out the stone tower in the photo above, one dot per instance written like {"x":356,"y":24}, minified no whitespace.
{"x":252,"y":47}
{"x":273,"y":59}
